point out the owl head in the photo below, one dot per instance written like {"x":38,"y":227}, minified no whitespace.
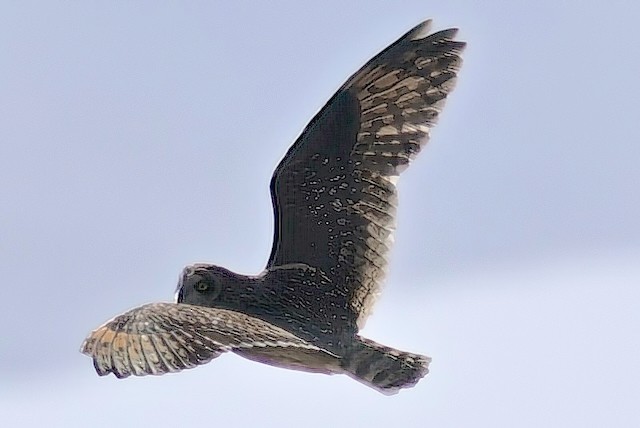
{"x":200,"y":284}
{"x":213,"y":286}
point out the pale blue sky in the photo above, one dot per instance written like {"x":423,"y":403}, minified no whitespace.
{"x":137,"y":137}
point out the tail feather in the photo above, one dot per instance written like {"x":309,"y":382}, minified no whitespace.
{"x":383,"y":368}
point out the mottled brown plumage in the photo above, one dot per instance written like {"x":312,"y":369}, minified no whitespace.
{"x":334,"y":199}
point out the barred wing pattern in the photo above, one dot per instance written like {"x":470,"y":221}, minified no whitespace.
{"x":334,"y":193}
{"x":158,"y":338}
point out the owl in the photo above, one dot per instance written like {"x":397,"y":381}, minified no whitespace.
{"x":334,"y":204}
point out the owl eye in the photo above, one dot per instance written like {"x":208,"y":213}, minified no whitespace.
{"x":201,"y":286}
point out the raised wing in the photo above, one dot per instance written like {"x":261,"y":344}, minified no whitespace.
{"x":160,"y":338}
{"x":334,"y":193}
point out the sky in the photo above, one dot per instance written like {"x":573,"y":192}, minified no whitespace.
{"x":139,"y":137}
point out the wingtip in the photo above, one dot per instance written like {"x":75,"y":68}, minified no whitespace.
{"x":420,"y":31}
{"x":449,"y":33}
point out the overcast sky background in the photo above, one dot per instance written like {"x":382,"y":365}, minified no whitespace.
{"x":138,"y":137}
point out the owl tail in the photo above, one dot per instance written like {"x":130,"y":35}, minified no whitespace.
{"x":385,"y":369}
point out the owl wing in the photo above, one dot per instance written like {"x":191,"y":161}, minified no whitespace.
{"x":159,"y":338}
{"x":334,"y":193}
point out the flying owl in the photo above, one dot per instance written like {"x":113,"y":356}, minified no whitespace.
{"x":334,"y":204}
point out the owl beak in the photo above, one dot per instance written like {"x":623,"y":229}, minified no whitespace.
{"x":179,"y":294}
